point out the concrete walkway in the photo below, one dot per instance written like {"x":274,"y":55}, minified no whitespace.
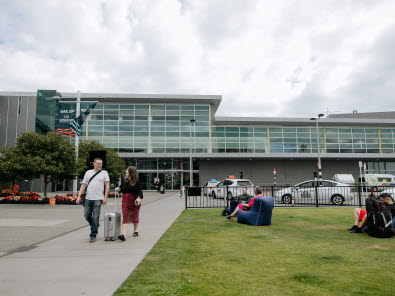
{"x":70,"y":265}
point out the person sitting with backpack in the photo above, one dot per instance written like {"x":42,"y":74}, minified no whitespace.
{"x":379,"y":217}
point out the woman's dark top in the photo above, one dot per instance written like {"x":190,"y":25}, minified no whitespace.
{"x":136,"y":189}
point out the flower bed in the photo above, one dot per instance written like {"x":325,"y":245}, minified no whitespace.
{"x":23,"y":198}
{"x":34,"y":198}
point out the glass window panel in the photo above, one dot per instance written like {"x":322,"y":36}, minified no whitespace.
{"x":141,"y":112}
{"x":108,"y":107}
{"x":289,"y":130}
{"x":125,"y":128}
{"x":276,"y":130}
{"x":186,"y":107}
{"x":276,"y":135}
{"x":172,"y":113}
{"x":126,"y":106}
{"x":110,"y":117}
{"x":276,"y":140}
{"x":201,"y":118}
{"x":110,"y":128}
{"x":232,"y":140}
{"x":188,"y":113}
{"x":158,"y":107}
{"x":201,"y":107}
{"x":141,"y":107}
{"x":232,"y":129}
{"x":169,"y":118}
{"x":141,"y":117}
{"x":172,"y":107}
{"x":289,"y":135}
{"x":260,"y":130}
{"x":125,"y":133}
{"x":229,"y":134}
{"x":303,"y":130}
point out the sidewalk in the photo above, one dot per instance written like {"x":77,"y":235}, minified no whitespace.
{"x":70,"y":265}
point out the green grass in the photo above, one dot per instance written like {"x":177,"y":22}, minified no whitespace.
{"x":304,"y":252}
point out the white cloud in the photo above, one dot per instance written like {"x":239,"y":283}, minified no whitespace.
{"x":282,"y":58}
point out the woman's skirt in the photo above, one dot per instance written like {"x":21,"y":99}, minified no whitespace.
{"x":130,"y":212}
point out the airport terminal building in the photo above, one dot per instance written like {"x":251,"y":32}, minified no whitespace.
{"x":160,"y":133}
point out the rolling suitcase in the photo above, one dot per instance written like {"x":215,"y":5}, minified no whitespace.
{"x":112,"y":222}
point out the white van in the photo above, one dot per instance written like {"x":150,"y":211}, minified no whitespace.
{"x":378,"y":179}
{"x":344,"y":178}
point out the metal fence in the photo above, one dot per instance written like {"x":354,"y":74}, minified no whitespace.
{"x":286,"y":196}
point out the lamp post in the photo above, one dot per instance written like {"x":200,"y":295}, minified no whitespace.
{"x":190,"y":152}
{"x":318,"y":145}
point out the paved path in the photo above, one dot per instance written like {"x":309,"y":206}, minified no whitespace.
{"x":69,"y":265}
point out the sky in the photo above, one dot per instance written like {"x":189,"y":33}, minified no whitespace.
{"x":265,"y":58}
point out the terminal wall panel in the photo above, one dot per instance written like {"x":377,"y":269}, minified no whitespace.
{"x":260,"y":172}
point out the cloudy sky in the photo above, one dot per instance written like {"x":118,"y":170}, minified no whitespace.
{"x":266,"y":58}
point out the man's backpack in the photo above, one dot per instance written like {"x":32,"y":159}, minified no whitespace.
{"x":379,"y":218}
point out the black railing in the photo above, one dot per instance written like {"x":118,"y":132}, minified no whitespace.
{"x":286,"y":196}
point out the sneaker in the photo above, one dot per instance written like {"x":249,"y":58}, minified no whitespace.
{"x":356,"y":230}
{"x":121,"y":237}
{"x":92,"y":239}
{"x":229,"y":217}
{"x":352,"y":228}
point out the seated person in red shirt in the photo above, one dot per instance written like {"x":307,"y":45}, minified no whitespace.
{"x":244,"y":205}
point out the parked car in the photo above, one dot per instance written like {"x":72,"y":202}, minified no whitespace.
{"x":208,"y":188}
{"x":232,"y":187}
{"x":328,"y":192}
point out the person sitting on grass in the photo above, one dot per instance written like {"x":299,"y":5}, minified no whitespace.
{"x":360,"y":214}
{"x":243,"y":206}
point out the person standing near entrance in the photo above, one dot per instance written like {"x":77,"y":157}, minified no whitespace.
{"x":131,"y":201}
{"x":97,"y":185}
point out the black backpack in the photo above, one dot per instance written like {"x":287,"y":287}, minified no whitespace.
{"x":379,"y":218}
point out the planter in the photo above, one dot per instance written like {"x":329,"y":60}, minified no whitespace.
{"x":52,"y":201}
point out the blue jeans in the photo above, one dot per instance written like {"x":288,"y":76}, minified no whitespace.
{"x":92,"y":214}
{"x":232,"y":206}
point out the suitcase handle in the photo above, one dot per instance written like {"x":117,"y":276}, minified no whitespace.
{"x":116,"y":202}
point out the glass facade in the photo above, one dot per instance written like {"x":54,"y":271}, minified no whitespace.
{"x":167,"y":128}
{"x":387,"y":139}
{"x":150,"y":128}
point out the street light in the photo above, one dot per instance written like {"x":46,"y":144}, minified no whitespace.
{"x":190,"y":152}
{"x":318,"y":145}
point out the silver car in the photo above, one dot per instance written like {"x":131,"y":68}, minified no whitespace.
{"x":328,"y":192}
{"x":231,"y":188}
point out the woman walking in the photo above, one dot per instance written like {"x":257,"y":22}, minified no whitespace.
{"x":131,"y":201}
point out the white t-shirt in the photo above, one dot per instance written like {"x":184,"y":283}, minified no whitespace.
{"x":96,"y":187}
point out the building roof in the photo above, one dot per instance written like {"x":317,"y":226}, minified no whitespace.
{"x":300,"y":122}
{"x":367,"y":115}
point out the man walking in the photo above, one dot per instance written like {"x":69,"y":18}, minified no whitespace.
{"x":97,"y":183}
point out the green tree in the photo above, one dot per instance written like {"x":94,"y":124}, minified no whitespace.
{"x":15,"y":167}
{"x":115,"y":165}
{"x":51,"y":156}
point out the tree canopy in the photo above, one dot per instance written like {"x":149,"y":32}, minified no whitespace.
{"x":115,"y":165}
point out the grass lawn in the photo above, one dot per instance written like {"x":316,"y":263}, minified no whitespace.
{"x":305,"y":252}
